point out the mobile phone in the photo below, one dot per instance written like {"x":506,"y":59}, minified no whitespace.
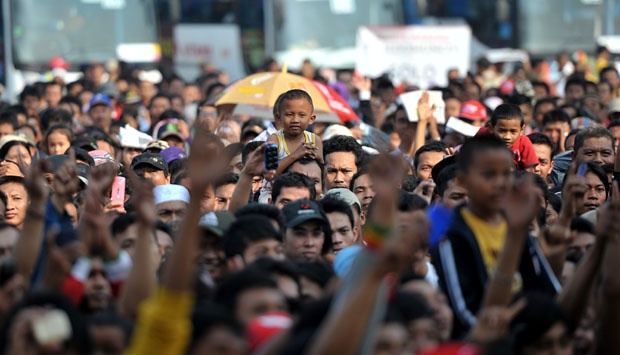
{"x":117,"y":196}
{"x":582,"y":169}
{"x":53,"y":327}
{"x":271,"y":157}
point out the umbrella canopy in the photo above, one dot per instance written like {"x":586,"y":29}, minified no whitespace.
{"x":256,"y":95}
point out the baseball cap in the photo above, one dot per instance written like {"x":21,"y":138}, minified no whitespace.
{"x":168,"y":128}
{"x":300,"y":211}
{"x":156,"y":146}
{"x":173,"y":153}
{"x":55,"y":162}
{"x":446,"y":162}
{"x":154,"y":160}
{"x":169,"y":193}
{"x":83,"y":170}
{"x":217,"y":222}
{"x":473,"y":110}
{"x":100,"y":99}
{"x":345,"y":195}
{"x":86,"y":143}
{"x":614,"y":105}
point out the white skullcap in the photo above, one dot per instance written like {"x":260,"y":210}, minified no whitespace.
{"x":170,"y":192}
{"x":336,"y":130}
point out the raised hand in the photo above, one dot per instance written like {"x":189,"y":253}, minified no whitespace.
{"x":144,"y":198}
{"x":493,"y":322}
{"x":255,"y":164}
{"x":522,"y":202}
{"x":425,"y":190}
{"x":608,"y":221}
{"x":305,"y":150}
{"x":425,"y":111}
{"x":66,"y":181}
{"x":35,"y":183}
{"x":361,"y":83}
{"x":9,"y":168}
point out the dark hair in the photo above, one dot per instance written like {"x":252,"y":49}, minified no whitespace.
{"x":318,"y":272}
{"x":157,"y":96}
{"x":331,"y":204}
{"x":411,"y":306}
{"x":30,"y":90}
{"x":103,"y":319}
{"x":591,"y":132}
{"x":600,"y":173}
{"x":263,"y":210}
{"x":541,"y":139}
{"x":576,"y":82}
{"x":233,"y":285}
{"x":580,"y":224}
{"x":360,"y":172}
{"x":608,"y":69}
{"x":208,"y":316}
{"x":410,"y":182}
{"x":295,"y":94}
{"x":60,"y":128}
{"x":473,"y":148}
{"x":9,"y":117}
{"x":306,"y":161}
{"x":571,"y":133}
{"x":81,"y":154}
{"x":248,"y":148}
{"x":344,"y":144}
{"x":55,"y":116}
{"x":434,"y":146}
{"x":541,"y":312}
{"x":13,"y":179}
{"x":613,"y":123}
{"x":292,"y":179}
{"x":177,"y":165}
{"x":246,"y":230}
{"x":507,"y":112}
{"x":408,"y":202}
{"x":122,"y":222}
{"x":446,"y":175}
{"x":226,"y":179}
{"x":557,"y":115}
{"x":170,"y":114}
{"x":554,"y":200}
{"x":542,"y":84}
{"x":277,"y":267}
{"x":546,"y":100}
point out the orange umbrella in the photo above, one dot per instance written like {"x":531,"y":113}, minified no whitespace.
{"x":256,"y":95}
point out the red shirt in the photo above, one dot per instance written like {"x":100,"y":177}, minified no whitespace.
{"x":522,"y":149}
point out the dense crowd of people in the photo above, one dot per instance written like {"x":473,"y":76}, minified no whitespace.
{"x":141,"y":218}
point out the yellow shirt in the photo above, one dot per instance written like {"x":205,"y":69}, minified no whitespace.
{"x":163,"y":325}
{"x":490,"y":238}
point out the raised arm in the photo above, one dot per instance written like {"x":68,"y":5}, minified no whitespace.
{"x":352,"y":318}
{"x":28,"y":245}
{"x":609,"y":314}
{"x":254,"y":166}
{"x":142,"y":279}
{"x":425,"y":113}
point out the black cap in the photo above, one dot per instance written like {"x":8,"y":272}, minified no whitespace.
{"x":446,"y":162}
{"x":154,"y":160}
{"x":300,"y":211}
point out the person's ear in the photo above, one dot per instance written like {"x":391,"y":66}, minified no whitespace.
{"x":168,"y":179}
{"x":312,"y":118}
{"x":363,"y":218}
{"x":356,"y":233}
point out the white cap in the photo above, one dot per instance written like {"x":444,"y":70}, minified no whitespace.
{"x":169,"y":193}
{"x":132,"y":138}
{"x":336,"y":130}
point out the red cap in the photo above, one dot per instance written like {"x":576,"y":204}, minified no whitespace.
{"x":58,"y":62}
{"x":507,"y":87}
{"x":473,"y":110}
{"x":263,"y":328}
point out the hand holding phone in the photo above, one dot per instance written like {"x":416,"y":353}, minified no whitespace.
{"x":270,"y":152}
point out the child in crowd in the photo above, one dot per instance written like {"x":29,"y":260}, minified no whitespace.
{"x":507,"y":123}
{"x":295,"y":112}
{"x":478,"y":232}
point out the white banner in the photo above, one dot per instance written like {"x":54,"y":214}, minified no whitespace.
{"x":415,"y":55}
{"x":217,"y":44}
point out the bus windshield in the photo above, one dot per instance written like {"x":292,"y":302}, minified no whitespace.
{"x":79,"y":31}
